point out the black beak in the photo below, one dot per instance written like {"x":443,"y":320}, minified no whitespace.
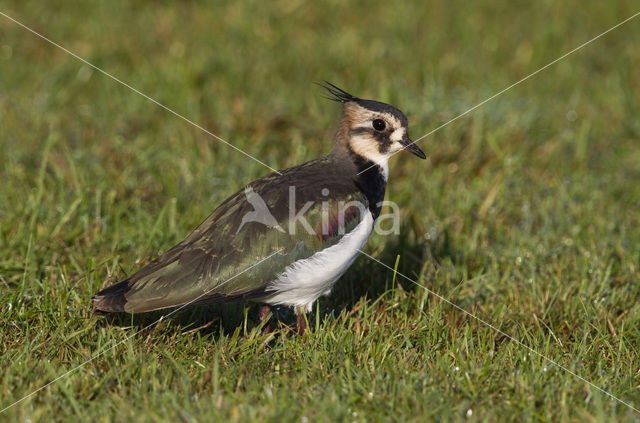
{"x":411,"y":147}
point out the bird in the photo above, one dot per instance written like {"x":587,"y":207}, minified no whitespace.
{"x":285,"y":238}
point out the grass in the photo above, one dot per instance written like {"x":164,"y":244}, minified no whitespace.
{"x":526,"y":214}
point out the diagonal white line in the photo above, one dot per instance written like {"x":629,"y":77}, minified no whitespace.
{"x":512,"y":85}
{"x":503,"y":333}
{"x":139,"y":92}
{"x":131,"y":336}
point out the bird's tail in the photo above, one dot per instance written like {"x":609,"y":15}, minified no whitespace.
{"x":112,"y":298}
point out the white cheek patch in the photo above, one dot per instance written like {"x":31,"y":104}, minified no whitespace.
{"x":396,"y":138}
{"x":368,"y":148}
{"x":397,"y":135}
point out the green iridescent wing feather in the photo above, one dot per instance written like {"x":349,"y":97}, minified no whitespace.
{"x":218,"y":259}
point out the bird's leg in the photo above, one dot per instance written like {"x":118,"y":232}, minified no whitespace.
{"x":301,"y":322}
{"x":264,"y":314}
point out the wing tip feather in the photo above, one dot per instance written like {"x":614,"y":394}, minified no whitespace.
{"x":112,"y":299}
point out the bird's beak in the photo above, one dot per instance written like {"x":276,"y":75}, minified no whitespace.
{"x":411,"y":147}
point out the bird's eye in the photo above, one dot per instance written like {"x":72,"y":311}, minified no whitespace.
{"x":379,"y":125}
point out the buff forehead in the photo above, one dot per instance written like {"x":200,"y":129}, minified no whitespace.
{"x":357,"y":116}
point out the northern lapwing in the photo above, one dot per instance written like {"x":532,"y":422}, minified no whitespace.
{"x":286,"y":238}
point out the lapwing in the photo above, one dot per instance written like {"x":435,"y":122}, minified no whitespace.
{"x":286,"y":238}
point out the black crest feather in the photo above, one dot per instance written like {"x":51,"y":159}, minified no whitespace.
{"x":336,"y":93}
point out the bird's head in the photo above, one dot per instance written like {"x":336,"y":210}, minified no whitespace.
{"x":372,"y":129}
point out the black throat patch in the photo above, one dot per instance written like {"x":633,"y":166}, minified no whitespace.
{"x":370,"y":182}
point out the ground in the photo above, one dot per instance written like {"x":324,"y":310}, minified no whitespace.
{"x":525,"y":215}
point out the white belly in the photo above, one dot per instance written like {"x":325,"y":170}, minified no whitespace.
{"x":304,"y":281}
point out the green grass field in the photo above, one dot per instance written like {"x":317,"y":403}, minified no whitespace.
{"x":526,"y":213}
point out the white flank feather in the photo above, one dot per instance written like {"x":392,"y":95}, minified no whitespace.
{"x":304,"y":281}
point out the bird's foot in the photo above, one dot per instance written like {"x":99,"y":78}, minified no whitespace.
{"x":265,"y":312}
{"x":301,"y":321}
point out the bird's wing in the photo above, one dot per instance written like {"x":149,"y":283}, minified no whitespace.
{"x":217,"y":261}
